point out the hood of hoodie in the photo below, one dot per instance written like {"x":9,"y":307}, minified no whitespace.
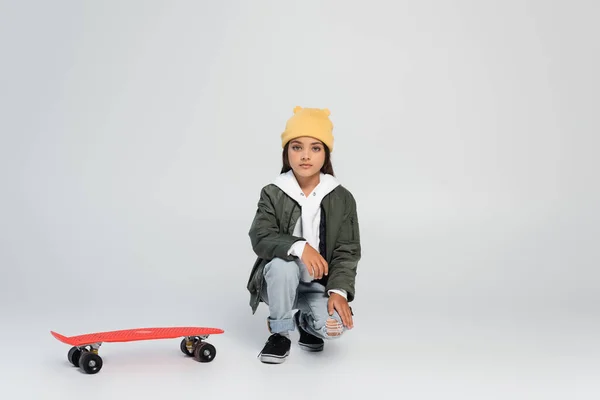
{"x":288,"y":183}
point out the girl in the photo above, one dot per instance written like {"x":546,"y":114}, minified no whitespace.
{"x":306,"y":236}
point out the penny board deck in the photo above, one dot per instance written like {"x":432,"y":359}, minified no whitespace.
{"x":131,"y":335}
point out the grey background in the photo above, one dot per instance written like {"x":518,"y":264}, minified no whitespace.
{"x":135,"y":138}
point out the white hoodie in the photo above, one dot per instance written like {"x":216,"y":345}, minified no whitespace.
{"x":309,"y":222}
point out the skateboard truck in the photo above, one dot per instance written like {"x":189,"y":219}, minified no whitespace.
{"x":195,"y":346}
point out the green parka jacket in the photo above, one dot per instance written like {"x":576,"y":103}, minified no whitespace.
{"x":271,"y":235}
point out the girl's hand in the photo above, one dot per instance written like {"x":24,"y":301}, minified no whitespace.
{"x":315,"y":263}
{"x":340,"y":304}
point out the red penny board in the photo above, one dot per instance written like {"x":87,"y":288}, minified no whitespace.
{"x":131,"y":335}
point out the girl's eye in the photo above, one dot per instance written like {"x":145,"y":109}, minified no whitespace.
{"x":296,"y":148}
{"x":316,"y":148}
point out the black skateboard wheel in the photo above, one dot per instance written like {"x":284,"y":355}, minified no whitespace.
{"x":74,"y":355}
{"x":90,"y":363}
{"x":205,"y":352}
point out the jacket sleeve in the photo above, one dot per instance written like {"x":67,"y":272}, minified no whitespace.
{"x":346,"y":254}
{"x":265,"y":237}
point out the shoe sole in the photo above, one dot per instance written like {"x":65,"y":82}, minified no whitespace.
{"x":273,"y":359}
{"x":311,"y":347}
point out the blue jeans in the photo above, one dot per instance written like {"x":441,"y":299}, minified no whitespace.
{"x":288,"y":289}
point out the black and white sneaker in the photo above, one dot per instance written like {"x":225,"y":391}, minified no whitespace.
{"x":307,"y":341}
{"x":276,"y":349}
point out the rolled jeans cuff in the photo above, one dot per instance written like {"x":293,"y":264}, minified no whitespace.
{"x":281,"y":325}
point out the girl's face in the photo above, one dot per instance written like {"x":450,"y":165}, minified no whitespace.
{"x":306,"y":156}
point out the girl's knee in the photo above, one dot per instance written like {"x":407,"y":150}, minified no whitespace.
{"x":278,"y":269}
{"x":334,"y":327}
{"x":326,"y":326}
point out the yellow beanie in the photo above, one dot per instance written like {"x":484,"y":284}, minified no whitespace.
{"x":313,"y":122}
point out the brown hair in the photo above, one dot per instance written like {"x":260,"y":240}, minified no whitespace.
{"x":327,"y":166}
